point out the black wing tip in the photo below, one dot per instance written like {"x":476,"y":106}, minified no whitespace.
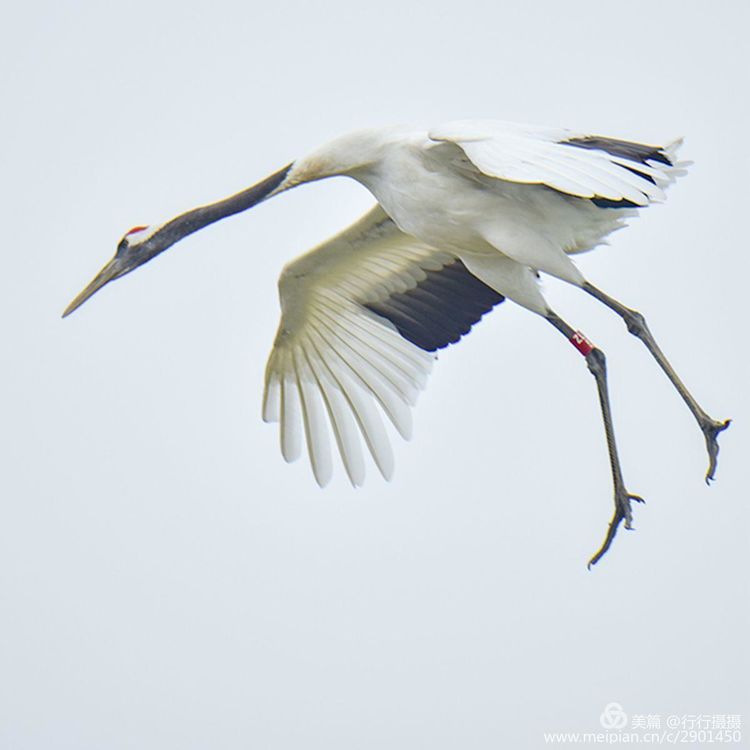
{"x":607,"y":203}
{"x":640,"y":153}
{"x":441,"y":309}
{"x":637,"y":152}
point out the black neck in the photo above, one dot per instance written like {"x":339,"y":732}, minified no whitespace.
{"x":191,"y":221}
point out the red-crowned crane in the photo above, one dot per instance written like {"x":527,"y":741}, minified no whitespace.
{"x":467,"y":214}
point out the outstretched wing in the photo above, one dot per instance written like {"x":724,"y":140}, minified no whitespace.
{"x":361,"y":315}
{"x":612,"y":173}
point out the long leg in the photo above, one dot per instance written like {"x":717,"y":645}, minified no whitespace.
{"x":636,"y":324}
{"x":598,"y":367}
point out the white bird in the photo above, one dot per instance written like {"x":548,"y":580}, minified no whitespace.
{"x":467,"y":214}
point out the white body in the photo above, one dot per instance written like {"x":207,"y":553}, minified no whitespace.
{"x":482,"y":190}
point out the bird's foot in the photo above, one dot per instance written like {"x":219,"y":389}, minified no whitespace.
{"x":623,"y":512}
{"x":711,"y":430}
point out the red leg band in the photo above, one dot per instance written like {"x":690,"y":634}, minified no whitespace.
{"x":581,"y":343}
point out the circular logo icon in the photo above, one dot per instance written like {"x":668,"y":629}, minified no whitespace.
{"x":613,"y":717}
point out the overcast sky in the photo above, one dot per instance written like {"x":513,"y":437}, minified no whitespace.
{"x":167,"y":581}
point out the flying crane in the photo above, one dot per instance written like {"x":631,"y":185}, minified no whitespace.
{"x":468,"y":214}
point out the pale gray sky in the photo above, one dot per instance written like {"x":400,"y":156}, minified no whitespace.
{"x":167,"y":581}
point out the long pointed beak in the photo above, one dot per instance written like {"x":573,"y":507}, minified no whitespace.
{"x":111,"y":271}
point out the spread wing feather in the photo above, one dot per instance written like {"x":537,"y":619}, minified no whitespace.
{"x":361,"y":317}
{"x":608,"y":171}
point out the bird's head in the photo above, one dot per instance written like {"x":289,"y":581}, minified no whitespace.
{"x":141,"y":244}
{"x":137,"y":246}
